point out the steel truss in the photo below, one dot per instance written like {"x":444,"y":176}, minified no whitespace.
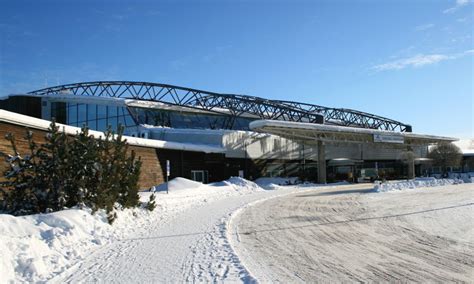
{"x":229,"y":105}
{"x":352,"y":118}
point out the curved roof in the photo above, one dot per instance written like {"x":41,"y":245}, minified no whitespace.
{"x":227,"y":104}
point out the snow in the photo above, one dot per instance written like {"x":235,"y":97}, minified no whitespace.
{"x":240,"y":184}
{"x":178,"y":183}
{"x":414,"y":183}
{"x":37,"y":248}
{"x":28,"y":121}
{"x":236,"y":183}
{"x":272,"y":183}
{"x":275,"y":182}
{"x":33,"y":248}
{"x":186,"y":238}
{"x":465,"y":177}
{"x":351,"y":234}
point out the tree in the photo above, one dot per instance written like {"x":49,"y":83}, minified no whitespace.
{"x":67,"y":171}
{"x":445,"y":155}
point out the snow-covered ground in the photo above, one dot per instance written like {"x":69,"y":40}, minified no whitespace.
{"x":186,"y":238}
{"x":414,"y":183}
{"x":186,"y":232}
{"x":356,"y":234}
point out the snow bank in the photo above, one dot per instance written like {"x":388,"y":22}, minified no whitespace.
{"x":36,"y":248}
{"x":275,"y":182}
{"x":272,"y":183}
{"x":178,"y":183}
{"x":239,"y":184}
{"x":466,"y":177}
{"x":33,"y":248}
{"x":414,"y":183}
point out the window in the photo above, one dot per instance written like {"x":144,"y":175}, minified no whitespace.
{"x":72,"y":114}
{"x":200,"y":175}
{"x":102,"y":124}
{"x":81,"y":113}
{"x":59,"y":112}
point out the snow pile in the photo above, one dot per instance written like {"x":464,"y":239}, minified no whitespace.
{"x":33,"y":248}
{"x":36,"y":248}
{"x":239,"y":184}
{"x":276,"y":182}
{"x":178,"y":183}
{"x":272,"y":183}
{"x":466,"y":177}
{"x":414,"y":183}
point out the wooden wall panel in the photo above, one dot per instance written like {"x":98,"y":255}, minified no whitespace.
{"x":151,"y":172}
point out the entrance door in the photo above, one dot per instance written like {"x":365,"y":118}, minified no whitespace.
{"x":199,"y":175}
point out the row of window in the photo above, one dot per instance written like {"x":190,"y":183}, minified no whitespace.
{"x":98,"y":117}
{"x":166,"y":118}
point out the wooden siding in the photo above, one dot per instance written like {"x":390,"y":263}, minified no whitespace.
{"x":151,"y":171}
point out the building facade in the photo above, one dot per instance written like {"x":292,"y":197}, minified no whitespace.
{"x":197,"y":120}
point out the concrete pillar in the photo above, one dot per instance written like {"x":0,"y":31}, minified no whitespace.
{"x":411,"y":166}
{"x":321,"y":162}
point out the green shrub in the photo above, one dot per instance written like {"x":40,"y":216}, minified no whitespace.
{"x":66,"y":171}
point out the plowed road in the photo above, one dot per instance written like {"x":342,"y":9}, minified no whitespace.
{"x":351,"y":234}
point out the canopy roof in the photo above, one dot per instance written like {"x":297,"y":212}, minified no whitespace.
{"x":332,"y":133}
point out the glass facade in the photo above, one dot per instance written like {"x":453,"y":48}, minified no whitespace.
{"x":97,"y":117}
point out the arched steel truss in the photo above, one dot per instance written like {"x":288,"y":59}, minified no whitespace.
{"x":230,"y":105}
{"x":353,"y":118}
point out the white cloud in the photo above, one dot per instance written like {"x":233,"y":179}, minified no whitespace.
{"x":419,"y":61}
{"x":459,"y":4}
{"x":415,"y":61}
{"x":424,"y":27}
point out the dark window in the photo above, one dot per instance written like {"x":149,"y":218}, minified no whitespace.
{"x":59,"y":112}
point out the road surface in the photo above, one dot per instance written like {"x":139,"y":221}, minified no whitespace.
{"x":352,"y":234}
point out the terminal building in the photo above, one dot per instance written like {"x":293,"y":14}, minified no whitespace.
{"x":209,"y":136}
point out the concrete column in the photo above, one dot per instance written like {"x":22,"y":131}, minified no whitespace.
{"x":411,"y":166}
{"x":321,"y":162}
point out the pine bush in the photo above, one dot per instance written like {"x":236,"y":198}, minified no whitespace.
{"x":151,"y":205}
{"x":68,"y":171}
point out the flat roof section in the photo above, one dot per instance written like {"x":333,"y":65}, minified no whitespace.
{"x":333,"y":133}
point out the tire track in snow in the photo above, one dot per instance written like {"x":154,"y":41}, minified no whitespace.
{"x":192,"y":247}
{"x":418,"y":235}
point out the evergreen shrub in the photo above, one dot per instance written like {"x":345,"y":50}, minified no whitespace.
{"x":68,"y":171}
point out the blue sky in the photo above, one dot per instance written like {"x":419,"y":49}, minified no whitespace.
{"x":408,"y":60}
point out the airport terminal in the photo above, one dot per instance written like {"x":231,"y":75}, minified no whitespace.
{"x":207,"y":136}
